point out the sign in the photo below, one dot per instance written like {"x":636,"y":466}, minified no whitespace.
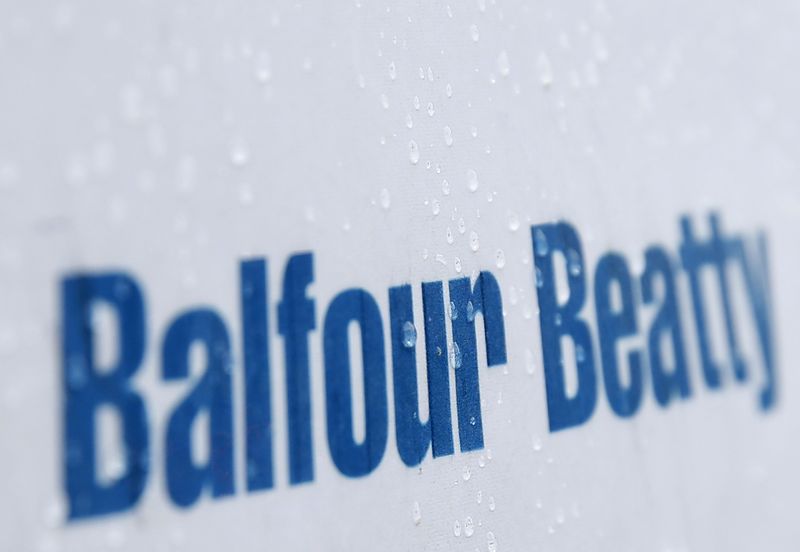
{"x":368,"y":276}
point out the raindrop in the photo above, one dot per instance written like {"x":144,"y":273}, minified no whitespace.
{"x":530,"y":366}
{"x":503,"y":66}
{"x":448,"y":90}
{"x":445,"y":187}
{"x":448,"y":136}
{"x":431,"y":109}
{"x":600,"y":49}
{"x":385,"y":199}
{"x":500,"y":258}
{"x":573,"y":262}
{"x":240,"y":155}
{"x":457,"y":528}
{"x":263,"y":72}
{"x":470,"y":311}
{"x":474,"y":242}
{"x":472,"y":180}
{"x":453,"y":311}
{"x":416,"y":103}
{"x":492,"y":504}
{"x":416,"y":513}
{"x":413,"y":152}
{"x":384,"y":101}
{"x":435,"y":207}
{"x":491,"y":542}
{"x":560,"y":519}
{"x":409,"y":334}
{"x":245,"y":194}
{"x":545,"y":70}
{"x":474,"y":33}
{"x":462,"y":226}
{"x":538,"y":278}
{"x":449,"y":236}
{"x":526,"y":312}
{"x":466,"y":473}
{"x":455,"y":356}
{"x":409,"y":121}
{"x":469,"y":528}
{"x":513,"y":222}
{"x":540,"y":243}
{"x":392,"y":71}
{"x":457,"y":264}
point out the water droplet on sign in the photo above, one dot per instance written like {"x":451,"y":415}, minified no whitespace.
{"x":503,"y":66}
{"x":560,"y":519}
{"x":472,"y":180}
{"x":500,"y":258}
{"x":448,"y":136}
{"x":540,"y":244}
{"x":530,"y":366}
{"x":385,"y":199}
{"x":469,"y":528}
{"x":474,"y":33}
{"x":455,"y":356}
{"x":416,"y":513}
{"x":474,"y":242}
{"x":545,"y":70}
{"x":409,"y":334}
{"x":573,"y":262}
{"x":491,"y":542}
{"x":413,"y":152}
{"x":240,"y":155}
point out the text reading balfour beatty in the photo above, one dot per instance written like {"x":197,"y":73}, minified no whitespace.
{"x":684,"y":291}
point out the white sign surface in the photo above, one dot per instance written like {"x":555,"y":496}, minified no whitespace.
{"x":399,"y":276}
